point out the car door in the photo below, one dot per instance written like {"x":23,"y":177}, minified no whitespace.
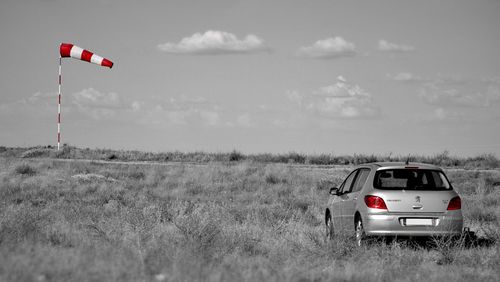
{"x":344,"y":191}
{"x":351,"y":197}
{"x":335,"y":209}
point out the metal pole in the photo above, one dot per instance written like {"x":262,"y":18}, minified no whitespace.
{"x":59,"y":108}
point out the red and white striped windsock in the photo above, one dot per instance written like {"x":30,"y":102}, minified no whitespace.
{"x":73,"y":51}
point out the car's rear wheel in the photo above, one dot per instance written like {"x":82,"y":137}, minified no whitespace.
{"x":360,"y":235}
{"x":329,"y":232}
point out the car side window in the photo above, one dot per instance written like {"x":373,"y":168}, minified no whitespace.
{"x":347,"y":185}
{"x":360,"y":179}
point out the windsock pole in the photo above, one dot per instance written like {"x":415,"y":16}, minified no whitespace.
{"x":59,"y":107}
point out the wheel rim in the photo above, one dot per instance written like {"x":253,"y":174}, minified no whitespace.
{"x":359,"y":233}
{"x":329,"y":229}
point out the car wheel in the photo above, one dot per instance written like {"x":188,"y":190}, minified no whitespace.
{"x":360,"y":233}
{"x":329,"y":228}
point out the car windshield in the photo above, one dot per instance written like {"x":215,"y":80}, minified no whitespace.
{"x":411,"y":179}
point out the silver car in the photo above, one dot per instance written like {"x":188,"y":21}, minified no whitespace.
{"x":394,"y":199}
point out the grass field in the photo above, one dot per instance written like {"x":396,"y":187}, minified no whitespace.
{"x":219,"y":221}
{"x":443,"y":159}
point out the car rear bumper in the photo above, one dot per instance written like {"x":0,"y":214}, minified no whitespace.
{"x":401,"y":224}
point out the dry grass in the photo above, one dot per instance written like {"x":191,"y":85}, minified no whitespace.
{"x":225,"y":221}
{"x":444,"y":159}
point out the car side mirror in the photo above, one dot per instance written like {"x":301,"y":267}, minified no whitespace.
{"x":334,"y":191}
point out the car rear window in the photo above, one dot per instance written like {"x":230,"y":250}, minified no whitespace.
{"x":411,"y":179}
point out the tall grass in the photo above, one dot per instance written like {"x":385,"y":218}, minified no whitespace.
{"x":444,"y":159}
{"x":243,"y":221}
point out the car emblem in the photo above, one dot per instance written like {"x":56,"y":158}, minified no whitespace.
{"x":417,"y":199}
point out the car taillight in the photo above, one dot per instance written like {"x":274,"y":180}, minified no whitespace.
{"x":455,"y":204}
{"x":375,"y":202}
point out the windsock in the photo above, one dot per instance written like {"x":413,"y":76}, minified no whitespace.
{"x":70,"y":50}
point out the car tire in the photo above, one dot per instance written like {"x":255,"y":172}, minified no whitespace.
{"x":360,"y":235}
{"x":329,"y":231}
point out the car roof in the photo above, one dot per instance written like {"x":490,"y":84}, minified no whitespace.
{"x":389,"y":165}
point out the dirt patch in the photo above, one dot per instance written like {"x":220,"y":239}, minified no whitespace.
{"x":93,"y":177}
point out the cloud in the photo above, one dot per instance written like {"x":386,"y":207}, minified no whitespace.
{"x":405,"y":77}
{"x":330,"y":48}
{"x":215,"y":42}
{"x":445,"y":91}
{"x":159,"y":116}
{"x":295,"y":97}
{"x":453,"y":92}
{"x":189,"y":102}
{"x":39,"y":97}
{"x":180,"y":110}
{"x":446,"y":115}
{"x":136,"y":106}
{"x":193,"y":116}
{"x":38,"y":104}
{"x":96,"y":104}
{"x":211,"y":118}
{"x":245,"y":120}
{"x":196,"y":111}
{"x":340,"y":100}
{"x":88,"y":102}
{"x":441,"y":115}
{"x":92,"y":98}
{"x":386,"y":46}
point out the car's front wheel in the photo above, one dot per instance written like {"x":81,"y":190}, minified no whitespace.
{"x":329,"y":232}
{"x":360,"y":234}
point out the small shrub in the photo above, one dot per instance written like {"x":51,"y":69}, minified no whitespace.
{"x":297,"y":204}
{"x":138,"y":175}
{"x":327,"y":183}
{"x":478,"y":213}
{"x":35,"y":153}
{"x":236,"y":156}
{"x":272,"y":179}
{"x":193,"y":189}
{"x":156,"y":258}
{"x":447,"y":247}
{"x":64,"y":153}
{"x":21,"y":223}
{"x":297,"y":158}
{"x":203,"y":236}
{"x":25,"y":169}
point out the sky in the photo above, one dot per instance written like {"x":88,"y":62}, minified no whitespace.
{"x":378,"y":77}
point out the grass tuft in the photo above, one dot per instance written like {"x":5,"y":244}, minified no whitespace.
{"x":25,"y":169}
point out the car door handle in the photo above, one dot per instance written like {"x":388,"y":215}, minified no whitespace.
{"x":417,"y":207}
